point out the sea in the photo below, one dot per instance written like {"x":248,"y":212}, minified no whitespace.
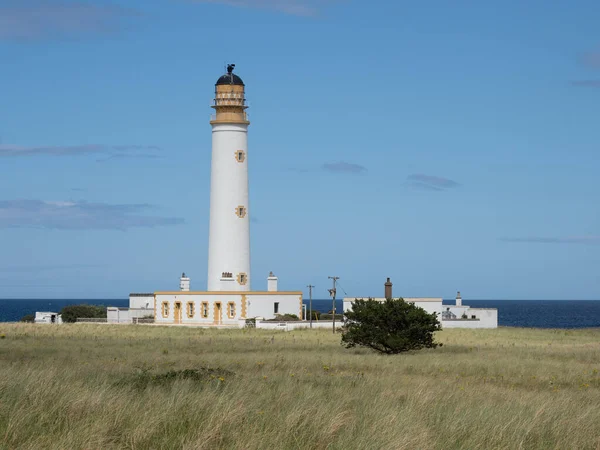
{"x":511,"y":313}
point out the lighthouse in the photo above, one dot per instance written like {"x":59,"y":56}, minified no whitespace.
{"x":229,"y":300}
{"x":229,"y":229}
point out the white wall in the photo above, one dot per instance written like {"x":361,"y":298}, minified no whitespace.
{"x":429,"y":304}
{"x":289,"y":326}
{"x":263,"y":305}
{"x":258,"y":304}
{"x":488,"y":318}
{"x":197,"y":300}
{"x":46,"y":317}
{"x":140,"y":301}
{"x":118,"y":315}
{"x":229,"y":235}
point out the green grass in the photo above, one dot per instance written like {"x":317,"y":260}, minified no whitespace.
{"x":104,"y":387}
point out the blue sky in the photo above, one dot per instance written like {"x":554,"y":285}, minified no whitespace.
{"x":447,"y":145}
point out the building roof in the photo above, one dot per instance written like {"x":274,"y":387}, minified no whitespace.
{"x":229,"y":78}
{"x":151,"y":294}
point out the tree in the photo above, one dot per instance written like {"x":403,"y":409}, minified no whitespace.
{"x":73,"y":312}
{"x":29,"y":318}
{"x":391,"y":327}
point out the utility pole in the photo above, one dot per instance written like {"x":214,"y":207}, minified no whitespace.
{"x":310,"y":288}
{"x":332,"y":293}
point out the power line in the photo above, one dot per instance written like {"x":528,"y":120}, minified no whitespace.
{"x":341,"y":287}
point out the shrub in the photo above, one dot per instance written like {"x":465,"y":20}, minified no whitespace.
{"x":391,"y":327}
{"x":71,"y":313}
{"x":284,"y":318}
{"x":329,"y":316}
{"x":316,"y":315}
{"x":29,"y":318}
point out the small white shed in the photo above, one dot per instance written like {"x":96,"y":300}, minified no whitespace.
{"x":48,"y":317}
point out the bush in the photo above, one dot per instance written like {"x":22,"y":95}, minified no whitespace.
{"x":29,"y":318}
{"x":284,"y":318}
{"x":329,"y":316}
{"x":71,"y":313}
{"x":316,"y":315}
{"x":391,"y":327}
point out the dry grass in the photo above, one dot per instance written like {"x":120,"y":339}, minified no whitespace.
{"x":99,"y":386}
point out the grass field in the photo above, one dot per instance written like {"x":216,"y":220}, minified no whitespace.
{"x":99,"y":386}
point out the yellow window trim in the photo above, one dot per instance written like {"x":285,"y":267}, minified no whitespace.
{"x":237,"y":157}
{"x":218,"y":313}
{"x":244,"y":306}
{"x":205,"y":308}
{"x":165,"y":309}
{"x":191,"y":310}
{"x":239,"y":279}
{"x":229,"y":305}
{"x":243,"y":212}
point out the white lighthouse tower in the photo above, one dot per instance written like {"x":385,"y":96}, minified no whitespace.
{"x":229,"y":234}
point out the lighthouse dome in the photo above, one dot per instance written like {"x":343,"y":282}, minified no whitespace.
{"x":230,"y":78}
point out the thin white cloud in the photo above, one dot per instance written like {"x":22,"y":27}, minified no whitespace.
{"x":43,"y":19}
{"x":106,"y":151}
{"x":344,"y":167}
{"x":49,"y":267}
{"x":293,"y":7}
{"x":78,"y":215}
{"x":430,"y":182}
{"x":586,"y":83}
{"x":555,"y":240}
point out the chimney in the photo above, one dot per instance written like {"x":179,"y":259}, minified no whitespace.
{"x":388,"y":289}
{"x":184,"y":283}
{"x":458,"y":299}
{"x":272,"y":283}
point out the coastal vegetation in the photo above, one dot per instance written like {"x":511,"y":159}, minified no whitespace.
{"x":108,"y":386}
{"x":392,"y":326}
{"x":71,"y":313}
{"x":29,"y":318}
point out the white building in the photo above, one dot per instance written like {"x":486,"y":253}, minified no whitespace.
{"x":47,"y":317}
{"x":229,"y":299}
{"x":225,"y":308}
{"x":451,"y":316}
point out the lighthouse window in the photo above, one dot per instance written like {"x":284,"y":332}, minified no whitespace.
{"x":205,"y":309}
{"x":231,"y":310}
{"x":241,"y":212}
{"x":240,"y":156}
{"x":276,"y":308}
{"x":242,"y":278}
{"x":190,"y":310}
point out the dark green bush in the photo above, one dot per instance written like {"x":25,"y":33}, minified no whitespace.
{"x":29,"y":318}
{"x":71,"y":313}
{"x":284,"y":318}
{"x":392,"y":326}
{"x":329,"y":316}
